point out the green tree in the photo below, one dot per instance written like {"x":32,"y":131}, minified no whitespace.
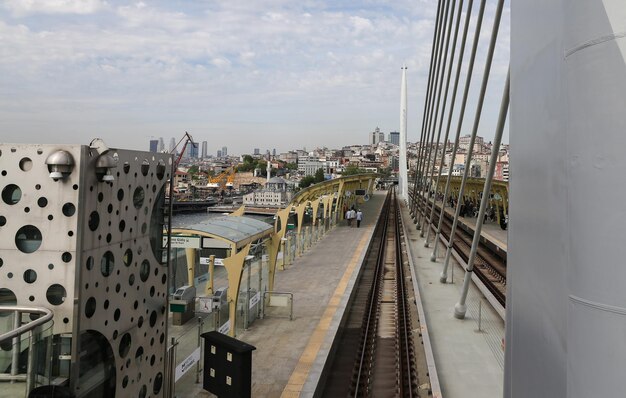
{"x":351,"y":170}
{"x":319,"y":175}
{"x":291,"y":166}
{"x":307,"y":181}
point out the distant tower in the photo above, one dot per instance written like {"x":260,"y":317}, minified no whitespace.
{"x":219,"y":153}
{"x":376,"y":136}
{"x":402,"y":174}
{"x":172,"y":145}
{"x":257,"y":151}
{"x":394,"y":137}
{"x":205,"y":146}
{"x":274,"y":152}
{"x":224,"y":151}
{"x":154,"y":144}
{"x":161,"y":146}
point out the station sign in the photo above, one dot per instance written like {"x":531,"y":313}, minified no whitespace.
{"x":205,"y":304}
{"x":183,"y":242}
{"x":205,"y":261}
{"x":187,"y":363}
{"x":255,"y":299}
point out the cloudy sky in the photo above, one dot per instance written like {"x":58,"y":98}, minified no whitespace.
{"x":278,"y":74}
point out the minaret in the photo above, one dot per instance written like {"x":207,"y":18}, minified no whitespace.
{"x":268,"y":168}
{"x":402,"y":174}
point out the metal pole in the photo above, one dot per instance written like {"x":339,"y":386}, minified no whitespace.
{"x":479,"y":21}
{"x":425,"y":191}
{"x":15,"y":353}
{"x":480,"y":315}
{"x":247,"y":303}
{"x":30,"y":374}
{"x":171,"y":384}
{"x":443,"y":111}
{"x":426,"y":100}
{"x":198,"y":367}
{"x":460,"y":308}
{"x":433,"y":94}
{"x":210,"y":286}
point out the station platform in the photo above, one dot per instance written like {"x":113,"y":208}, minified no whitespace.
{"x":491,"y":230}
{"x":469,"y":353}
{"x":290,"y":354}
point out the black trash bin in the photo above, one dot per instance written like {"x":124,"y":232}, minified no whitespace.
{"x":227,"y":366}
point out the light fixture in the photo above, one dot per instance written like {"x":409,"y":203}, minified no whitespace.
{"x":105,"y":162}
{"x":60,"y":164}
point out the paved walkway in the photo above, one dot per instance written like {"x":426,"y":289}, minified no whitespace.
{"x":290,"y":354}
{"x":469,"y":361}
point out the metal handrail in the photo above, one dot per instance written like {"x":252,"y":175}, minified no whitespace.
{"x":47,"y":316}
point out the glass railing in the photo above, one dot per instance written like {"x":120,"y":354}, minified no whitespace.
{"x":26,"y":350}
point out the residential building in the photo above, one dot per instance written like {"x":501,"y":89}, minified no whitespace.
{"x":219,"y":153}
{"x":224,"y":151}
{"x":257,"y":151}
{"x":154,"y":145}
{"x":308,"y":166}
{"x":464,"y":142}
{"x":205,"y":148}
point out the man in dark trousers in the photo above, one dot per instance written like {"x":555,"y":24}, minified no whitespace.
{"x":359,"y":218}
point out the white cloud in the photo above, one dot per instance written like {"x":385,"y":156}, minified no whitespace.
{"x":151,"y":64}
{"x":25,"y":7}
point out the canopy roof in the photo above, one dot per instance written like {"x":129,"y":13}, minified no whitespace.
{"x":237,"y":230}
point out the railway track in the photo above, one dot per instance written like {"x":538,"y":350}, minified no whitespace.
{"x":379,"y":352}
{"x":489,"y":267}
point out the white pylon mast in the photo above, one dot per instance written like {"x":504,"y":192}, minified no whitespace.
{"x":402,"y":174}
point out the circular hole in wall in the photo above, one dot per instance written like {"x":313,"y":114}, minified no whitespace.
{"x":11,"y":194}
{"x":125,"y":342}
{"x":138,"y":197}
{"x":107,"y":263}
{"x":69,"y":209}
{"x":26,"y":164}
{"x":56,"y":294}
{"x":30,"y":276}
{"x":144,"y":270}
{"x":90,"y":307}
{"x":158,"y":383}
{"x":28,"y":239}
{"x":94,"y":220}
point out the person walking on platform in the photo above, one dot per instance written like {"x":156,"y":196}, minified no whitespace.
{"x":359,"y":218}
{"x":352,"y":215}
{"x":348,"y":219}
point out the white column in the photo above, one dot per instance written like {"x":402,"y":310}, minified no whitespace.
{"x":402,"y":174}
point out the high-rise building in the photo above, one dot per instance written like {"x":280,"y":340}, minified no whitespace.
{"x":376,"y":136}
{"x":194,"y":150}
{"x":154,"y":145}
{"x":257,"y":151}
{"x":224,"y":151}
{"x":161,"y":147}
{"x":205,"y":147}
{"x":219,"y":153}
{"x":274,"y":152}
{"x":172,"y":145}
{"x":394,"y":137}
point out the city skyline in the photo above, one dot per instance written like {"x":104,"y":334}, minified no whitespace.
{"x":271,"y":74}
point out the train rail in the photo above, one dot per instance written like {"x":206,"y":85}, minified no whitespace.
{"x":375,"y":354}
{"x":489,"y":266}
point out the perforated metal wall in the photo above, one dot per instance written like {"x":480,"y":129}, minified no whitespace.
{"x":91,"y":251}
